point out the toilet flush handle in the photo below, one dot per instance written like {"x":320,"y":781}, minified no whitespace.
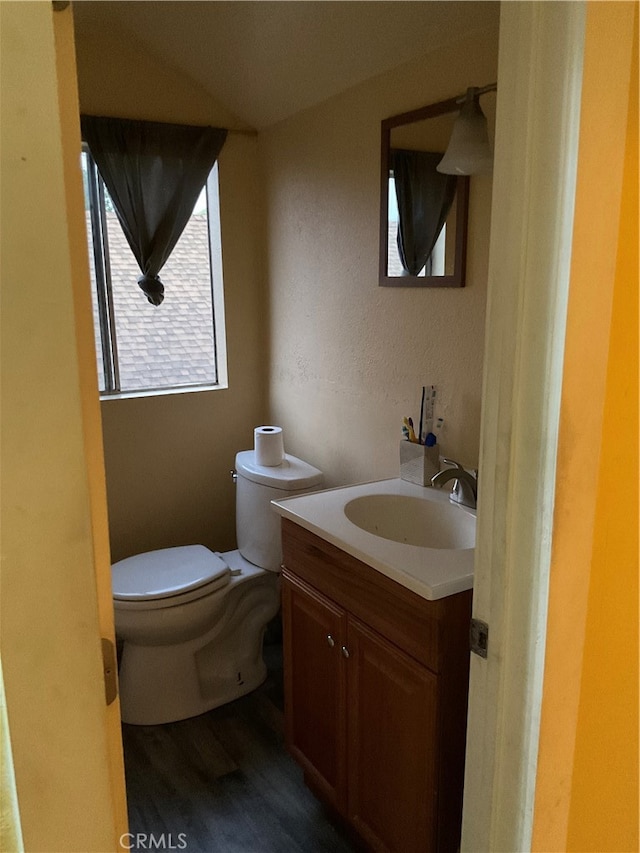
{"x":234,"y":475}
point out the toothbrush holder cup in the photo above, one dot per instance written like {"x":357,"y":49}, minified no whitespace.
{"x":418,"y":463}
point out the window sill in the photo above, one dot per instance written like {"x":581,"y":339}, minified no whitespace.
{"x":163,"y":392}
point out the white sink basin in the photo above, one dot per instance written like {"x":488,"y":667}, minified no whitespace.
{"x":412,"y":534}
{"x":413,"y":521}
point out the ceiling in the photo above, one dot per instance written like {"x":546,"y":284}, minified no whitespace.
{"x":268,"y":60}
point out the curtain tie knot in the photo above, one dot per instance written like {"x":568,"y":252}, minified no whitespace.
{"x":152,"y":288}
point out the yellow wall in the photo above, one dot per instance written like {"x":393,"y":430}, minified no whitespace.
{"x":168,"y":457}
{"x":587,"y":785}
{"x":604,"y":816}
{"x":50,"y":626}
{"x":347,"y":357}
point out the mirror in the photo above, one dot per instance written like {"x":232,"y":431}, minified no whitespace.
{"x":423,"y":214}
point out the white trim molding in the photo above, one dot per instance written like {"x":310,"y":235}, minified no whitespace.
{"x":537,"y":129}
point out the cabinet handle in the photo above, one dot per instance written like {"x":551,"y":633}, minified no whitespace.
{"x":331,"y":641}
{"x":345,"y":652}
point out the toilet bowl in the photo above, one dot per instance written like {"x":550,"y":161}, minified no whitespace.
{"x":192,"y":621}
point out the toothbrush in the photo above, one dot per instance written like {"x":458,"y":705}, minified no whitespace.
{"x":408,"y":423}
{"x":421,"y":414}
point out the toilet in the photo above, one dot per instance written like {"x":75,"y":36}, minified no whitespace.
{"x":191,"y":621}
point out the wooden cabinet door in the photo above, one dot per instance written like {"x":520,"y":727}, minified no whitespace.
{"x":391,"y":744}
{"x":314,"y":632}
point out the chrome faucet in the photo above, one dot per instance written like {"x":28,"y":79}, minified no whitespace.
{"x":465,"y":488}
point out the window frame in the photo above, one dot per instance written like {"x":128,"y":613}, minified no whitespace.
{"x":99,"y":248}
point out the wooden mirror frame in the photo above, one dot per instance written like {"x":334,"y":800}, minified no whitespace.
{"x":462,"y":206}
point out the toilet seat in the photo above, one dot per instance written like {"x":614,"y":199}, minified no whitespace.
{"x":167,"y":577}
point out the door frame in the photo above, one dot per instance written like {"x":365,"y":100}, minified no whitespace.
{"x":537,"y":108}
{"x":56,"y":598}
{"x":537,"y":129}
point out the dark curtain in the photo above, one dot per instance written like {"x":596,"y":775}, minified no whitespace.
{"x":154,"y":173}
{"x":424,"y":200}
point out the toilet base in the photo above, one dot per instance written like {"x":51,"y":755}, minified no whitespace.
{"x":177,"y":694}
{"x":165,"y":683}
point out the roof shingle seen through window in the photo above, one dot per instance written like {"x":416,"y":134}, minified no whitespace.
{"x":171,"y":344}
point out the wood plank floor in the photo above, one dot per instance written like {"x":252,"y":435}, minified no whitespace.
{"x":225,"y":781}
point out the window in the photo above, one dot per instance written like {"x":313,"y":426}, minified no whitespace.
{"x":178,"y":344}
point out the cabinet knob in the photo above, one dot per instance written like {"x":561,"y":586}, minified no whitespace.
{"x":331,"y":641}
{"x":345,"y":652}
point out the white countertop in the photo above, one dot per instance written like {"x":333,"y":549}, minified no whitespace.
{"x":430,"y":572}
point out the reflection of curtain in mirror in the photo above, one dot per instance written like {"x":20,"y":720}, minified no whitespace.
{"x":424,"y":199}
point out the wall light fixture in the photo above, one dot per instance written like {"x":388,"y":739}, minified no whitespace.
{"x":469,"y":151}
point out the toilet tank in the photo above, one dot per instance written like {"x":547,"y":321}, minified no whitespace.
{"x":257,"y":525}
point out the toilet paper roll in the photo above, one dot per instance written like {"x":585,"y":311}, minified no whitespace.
{"x":268,"y":444}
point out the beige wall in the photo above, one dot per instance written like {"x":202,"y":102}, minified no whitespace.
{"x":168,"y":457}
{"x":119,"y":76}
{"x":348,"y":358}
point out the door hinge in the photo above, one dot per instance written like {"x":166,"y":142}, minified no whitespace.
{"x":110,"y":670}
{"x":479,"y":637}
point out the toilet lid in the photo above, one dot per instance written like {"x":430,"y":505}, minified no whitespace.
{"x":167,"y":572}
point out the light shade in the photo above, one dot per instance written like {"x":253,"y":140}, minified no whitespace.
{"x":469,"y":152}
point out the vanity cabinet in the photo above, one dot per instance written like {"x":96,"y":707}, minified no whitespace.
{"x":376,"y":682}
{"x":315,"y":686}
